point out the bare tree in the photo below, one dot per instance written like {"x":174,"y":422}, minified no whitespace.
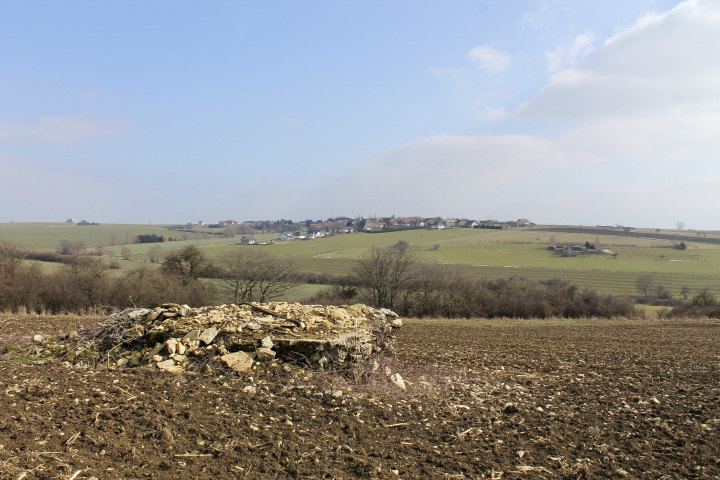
{"x":71,"y":248}
{"x":685,"y":291}
{"x":155,"y":253}
{"x":680,"y":225}
{"x":434,"y":290}
{"x":644,"y":283}
{"x":254,"y":275}
{"x":10,"y":259}
{"x":384,"y":272}
{"x":189,"y":263}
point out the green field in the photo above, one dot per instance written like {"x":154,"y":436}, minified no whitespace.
{"x":482,"y":254}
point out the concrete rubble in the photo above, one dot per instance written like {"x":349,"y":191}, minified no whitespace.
{"x":177,"y":338}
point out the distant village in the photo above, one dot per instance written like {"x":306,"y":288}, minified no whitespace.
{"x":288,"y":230}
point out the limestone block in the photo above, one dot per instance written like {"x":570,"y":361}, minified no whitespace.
{"x":238,"y":361}
{"x":264,"y":354}
{"x":191,"y":336}
{"x":208,"y":335}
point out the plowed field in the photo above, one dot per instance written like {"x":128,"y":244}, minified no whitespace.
{"x":500,"y":399}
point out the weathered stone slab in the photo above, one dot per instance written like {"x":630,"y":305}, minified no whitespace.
{"x":208,"y":335}
{"x":238,"y":361}
{"x":192,"y":336}
{"x":264,"y":354}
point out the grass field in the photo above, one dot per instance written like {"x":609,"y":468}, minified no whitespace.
{"x":46,"y":237}
{"x":482,"y":254}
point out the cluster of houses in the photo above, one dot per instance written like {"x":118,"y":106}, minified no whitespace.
{"x":360,"y":224}
{"x":435,"y":223}
{"x":301,"y":235}
{"x":309,"y":230}
{"x":571,"y":250}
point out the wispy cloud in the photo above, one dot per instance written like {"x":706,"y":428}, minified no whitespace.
{"x":568,"y":55}
{"x":489,"y":59}
{"x":70,"y":129}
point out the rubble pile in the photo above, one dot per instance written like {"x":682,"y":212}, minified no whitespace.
{"x":177,"y":338}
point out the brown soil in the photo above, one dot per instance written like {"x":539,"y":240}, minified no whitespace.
{"x":487,"y":400}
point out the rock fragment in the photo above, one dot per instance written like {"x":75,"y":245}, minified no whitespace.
{"x":208,"y":335}
{"x":264,"y":354}
{"x":398,"y":381}
{"x":238,"y":361}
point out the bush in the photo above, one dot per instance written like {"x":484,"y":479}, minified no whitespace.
{"x":82,"y":285}
{"x":704,"y":304}
{"x":335,"y":295}
{"x":444,"y":291}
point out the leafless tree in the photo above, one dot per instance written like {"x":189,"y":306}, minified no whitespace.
{"x":71,"y":248}
{"x":155,"y":253}
{"x":434,"y":290}
{"x":189,"y":263}
{"x":644,"y":283}
{"x":253,"y":275}
{"x":685,"y":291}
{"x":384,"y":272}
{"x":10,"y":259}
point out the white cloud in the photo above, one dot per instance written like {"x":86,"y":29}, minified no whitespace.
{"x":534,"y":19}
{"x":494,"y":114}
{"x":489,"y":59}
{"x":514,"y":176}
{"x":680,"y":137}
{"x":701,"y":11}
{"x":663,"y":62}
{"x":569,"y":55}
{"x":650,"y":93}
{"x":639,"y":131}
{"x":68,"y":129}
{"x":446,"y":174}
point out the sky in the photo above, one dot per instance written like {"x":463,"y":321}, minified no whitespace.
{"x":558,"y":111}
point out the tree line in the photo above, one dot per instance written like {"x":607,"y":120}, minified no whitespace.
{"x":393,"y":277}
{"x":387,"y":277}
{"x":84,"y":283}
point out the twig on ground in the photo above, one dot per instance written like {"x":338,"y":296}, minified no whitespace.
{"x":75,"y":475}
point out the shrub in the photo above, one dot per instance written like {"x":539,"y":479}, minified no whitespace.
{"x":335,"y":295}
{"x":704,"y":304}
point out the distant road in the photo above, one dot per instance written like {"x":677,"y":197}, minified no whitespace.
{"x":620,"y":233}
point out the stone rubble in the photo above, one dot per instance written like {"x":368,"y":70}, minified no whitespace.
{"x":177,"y":338}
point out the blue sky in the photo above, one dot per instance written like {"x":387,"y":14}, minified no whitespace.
{"x":560,"y":111}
